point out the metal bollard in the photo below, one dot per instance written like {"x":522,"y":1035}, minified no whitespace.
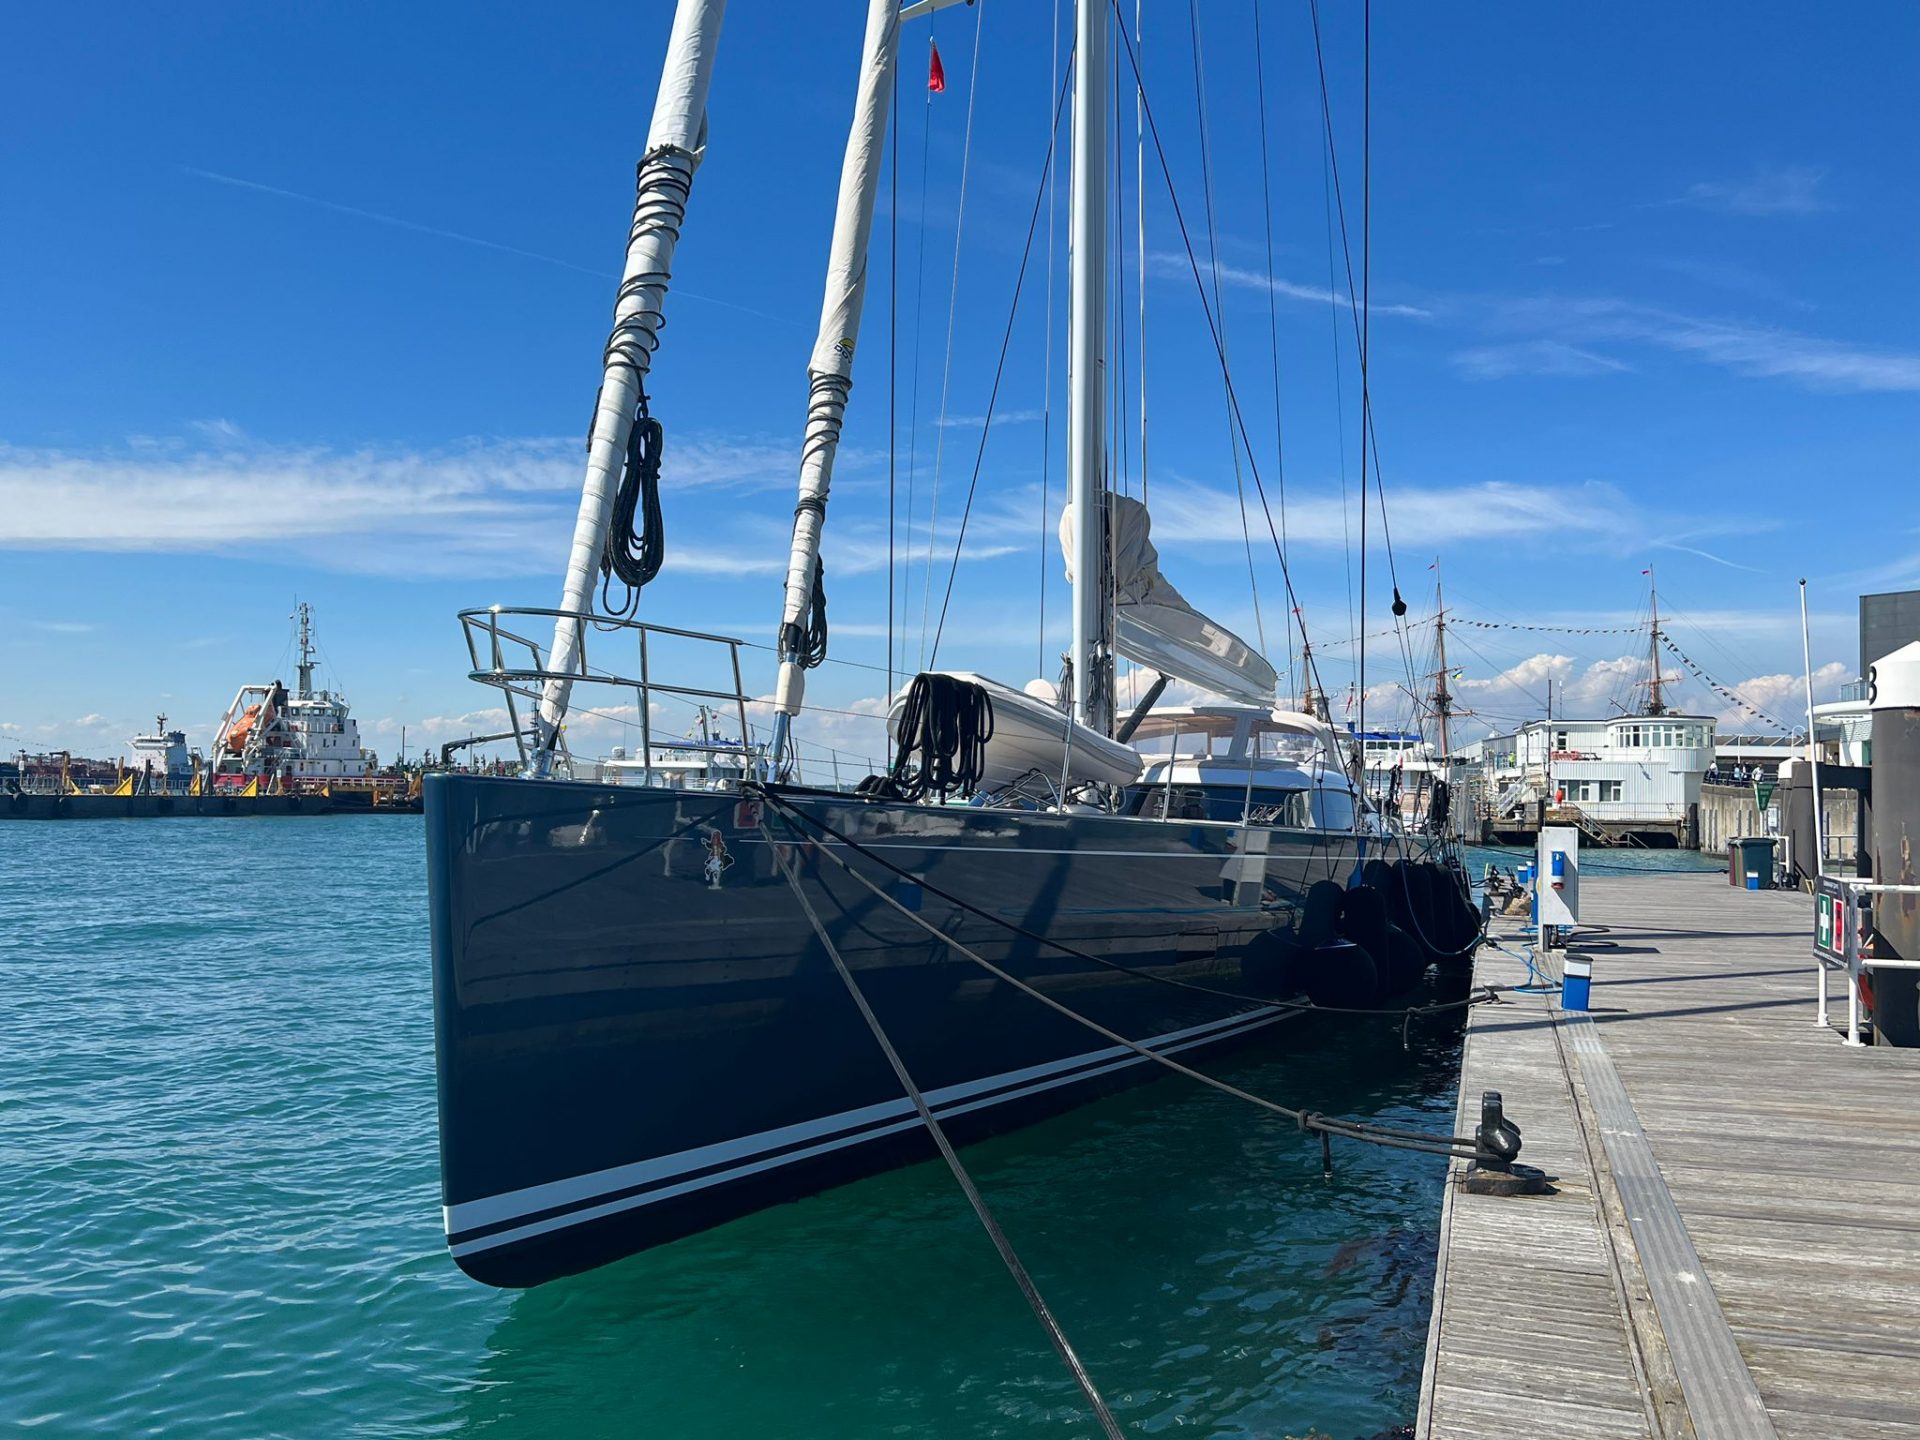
{"x":1497,"y":1138}
{"x":1496,"y":1142}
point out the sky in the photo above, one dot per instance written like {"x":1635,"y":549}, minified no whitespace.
{"x":307,"y":304}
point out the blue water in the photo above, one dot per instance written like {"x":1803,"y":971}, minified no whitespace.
{"x":217,"y":1152}
{"x":1602,"y":862}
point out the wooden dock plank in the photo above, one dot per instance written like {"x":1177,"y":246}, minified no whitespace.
{"x":1757,"y":1151}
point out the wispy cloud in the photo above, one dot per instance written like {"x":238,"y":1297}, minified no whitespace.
{"x":1167,"y":264}
{"x":497,"y":506}
{"x":1584,"y":324}
{"x":1001,"y":417}
{"x":460,"y":237}
{"x":1785,"y":190}
{"x":1193,"y":514}
{"x":1533,"y":357}
{"x":1730,"y":275}
{"x":1708,"y":555}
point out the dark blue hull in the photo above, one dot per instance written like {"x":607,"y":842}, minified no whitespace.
{"x":640,"y":1037}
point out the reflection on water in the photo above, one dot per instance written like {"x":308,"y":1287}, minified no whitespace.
{"x":1207,"y":1271}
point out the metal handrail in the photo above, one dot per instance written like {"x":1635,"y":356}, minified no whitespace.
{"x":489,"y":645}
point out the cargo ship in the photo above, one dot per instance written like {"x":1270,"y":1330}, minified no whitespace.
{"x":277,"y":751}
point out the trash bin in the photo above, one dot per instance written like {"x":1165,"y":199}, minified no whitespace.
{"x":1750,"y":862}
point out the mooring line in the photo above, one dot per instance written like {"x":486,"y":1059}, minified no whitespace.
{"x":981,"y":1211}
{"x":1308,"y":1121}
{"x":1483,"y":994}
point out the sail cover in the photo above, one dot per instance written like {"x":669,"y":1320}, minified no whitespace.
{"x":1157,"y":628}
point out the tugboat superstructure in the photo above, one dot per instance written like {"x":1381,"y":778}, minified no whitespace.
{"x":270,"y":735}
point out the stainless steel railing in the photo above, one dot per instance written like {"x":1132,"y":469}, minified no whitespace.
{"x":516,"y":665}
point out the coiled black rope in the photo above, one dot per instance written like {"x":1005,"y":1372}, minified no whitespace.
{"x":944,"y":728}
{"x":806,"y":640}
{"x":633,"y":556}
{"x":662,"y":181}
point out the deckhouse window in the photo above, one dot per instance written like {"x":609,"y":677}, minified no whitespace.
{"x":1225,"y":802}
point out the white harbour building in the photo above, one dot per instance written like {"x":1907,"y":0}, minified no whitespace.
{"x":1630,"y":780}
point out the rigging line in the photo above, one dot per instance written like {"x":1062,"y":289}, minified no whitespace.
{"x":1640,"y":629}
{"x":905,"y":578}
{"x":1339,"y":400}
{"x":1193,"y":265}
{"x":1213,"y":260}
{"x":1368,"y":434}
{"x":953,"y":310}
{"x":999,"y":369}
{"x":1307,"y":1120}
{"x":1499,"y":674}
{"x":1273,"y":304}
{"x":1481,"y":992}
{"x":1366,"y":313}
{"x":981,"y":1211}
{"x":893,"y":372}
{"x":1046,"y":383}
{"x":1117,"y":372}
{"x":1140,"y":250}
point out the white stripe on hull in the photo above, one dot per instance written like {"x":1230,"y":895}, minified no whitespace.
{"x":947,"y":1102}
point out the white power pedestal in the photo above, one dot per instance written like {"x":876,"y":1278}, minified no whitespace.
{"x":1557,"y":901}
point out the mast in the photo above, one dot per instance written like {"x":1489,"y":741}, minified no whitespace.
{"x":1655,"y":705}
{"x":304,"y":613}
{"x":1813,"y":746}
{"x":676,"y":140}
{"x":830,"y":367}
{"x":1442,"y":697}
{"x":1092,"y":652}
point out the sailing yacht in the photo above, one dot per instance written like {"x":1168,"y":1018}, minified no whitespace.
{"x":642,"y":1029}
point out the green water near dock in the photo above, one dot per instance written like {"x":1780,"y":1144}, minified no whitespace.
{"x":217,"y":1148}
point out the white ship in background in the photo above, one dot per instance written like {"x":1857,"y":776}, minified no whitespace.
{"x":307,"y":736}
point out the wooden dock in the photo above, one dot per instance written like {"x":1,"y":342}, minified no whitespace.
{"x":1733,"y":1248}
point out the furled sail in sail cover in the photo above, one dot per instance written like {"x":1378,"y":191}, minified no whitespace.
{"x":1157,"y":627}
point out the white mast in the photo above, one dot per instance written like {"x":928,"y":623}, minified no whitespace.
{"x":1813,"y":749}
{"x":830,"y":367}
{"x":675,"y":142}
{"x":1092,"y":653}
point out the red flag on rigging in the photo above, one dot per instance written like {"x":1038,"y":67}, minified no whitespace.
{"x":936,"y":72}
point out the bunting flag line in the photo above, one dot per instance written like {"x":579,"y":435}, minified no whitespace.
{"x":1725,"y":692}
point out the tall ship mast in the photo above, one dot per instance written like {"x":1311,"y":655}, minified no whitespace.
{"x":662,"y":1005}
